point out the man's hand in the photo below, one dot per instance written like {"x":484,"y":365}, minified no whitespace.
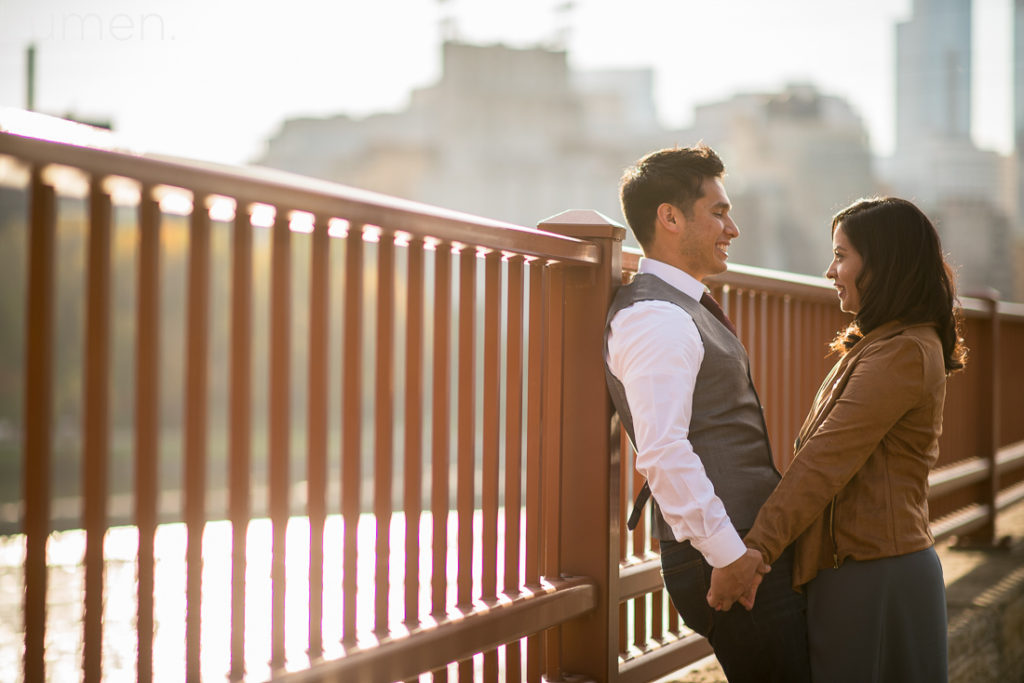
{"x":737,"y":582}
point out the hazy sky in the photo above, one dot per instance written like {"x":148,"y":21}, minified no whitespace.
{"x":212,"y":79}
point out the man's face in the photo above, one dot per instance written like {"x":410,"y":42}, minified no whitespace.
{"x":706,"y":233}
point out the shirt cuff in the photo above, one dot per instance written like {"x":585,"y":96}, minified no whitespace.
{"x":751,"y":540}
{"x":722,"y":548}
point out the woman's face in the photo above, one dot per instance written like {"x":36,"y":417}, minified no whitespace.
{"x":844,"y":269}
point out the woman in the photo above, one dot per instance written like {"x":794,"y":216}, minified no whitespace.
{"x":855,"y":497}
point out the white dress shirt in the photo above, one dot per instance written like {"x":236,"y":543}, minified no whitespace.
{"x":655,"y":350}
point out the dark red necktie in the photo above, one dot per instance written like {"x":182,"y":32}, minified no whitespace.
{"x":708,"y":302}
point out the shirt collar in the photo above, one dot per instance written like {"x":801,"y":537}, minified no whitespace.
{"x":680,"y":279}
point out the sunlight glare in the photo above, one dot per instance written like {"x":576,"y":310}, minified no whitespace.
{"x":372,"y":233}
{"x":262,"y":215}
{"x":301,"y":221}
{"x":337,"y":227}
{"x":173,"y":200}
{"x":222,"y":209}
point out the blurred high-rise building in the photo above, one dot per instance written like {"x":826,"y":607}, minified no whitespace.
{"x":933,"y":74}
{"x":1018,"y":145}
{"x":517,"y":135}
{"x":936,"y":164}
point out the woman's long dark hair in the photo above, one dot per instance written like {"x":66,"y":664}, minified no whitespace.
{"x":904,"y":277}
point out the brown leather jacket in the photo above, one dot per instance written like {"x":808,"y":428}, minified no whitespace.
{"x":857,"y":486}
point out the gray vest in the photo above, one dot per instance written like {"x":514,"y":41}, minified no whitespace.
{"x":727,"y":427}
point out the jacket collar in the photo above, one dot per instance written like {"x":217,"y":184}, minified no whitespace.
{"x":884,"y":331}
{"x":826,"y":394}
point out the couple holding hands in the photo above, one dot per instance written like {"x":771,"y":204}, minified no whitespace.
{"x":826,"y":571}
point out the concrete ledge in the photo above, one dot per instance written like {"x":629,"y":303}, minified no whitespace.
{"x":985,"y":598}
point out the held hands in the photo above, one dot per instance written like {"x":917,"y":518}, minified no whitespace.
{"x":737,"y":582}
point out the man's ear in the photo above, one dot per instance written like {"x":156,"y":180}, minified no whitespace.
{"x":670,"y":217}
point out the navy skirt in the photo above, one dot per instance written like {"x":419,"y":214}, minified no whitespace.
{"x":879,"y":621}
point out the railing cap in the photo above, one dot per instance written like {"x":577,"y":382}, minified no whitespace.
{"x":583,"y":224}
{"x":39,"y":140}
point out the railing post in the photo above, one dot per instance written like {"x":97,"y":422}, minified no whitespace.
{"x":589,"y":486}
{"x":988,"y":423}
{"x":994,"y":425}
{"x":38,"y":411}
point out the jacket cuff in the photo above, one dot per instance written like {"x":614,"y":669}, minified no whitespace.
{"x":751,"y":541}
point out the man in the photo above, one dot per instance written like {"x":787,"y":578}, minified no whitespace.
{"x":680,"y":380}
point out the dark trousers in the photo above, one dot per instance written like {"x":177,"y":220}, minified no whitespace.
{"x":767,"y":644}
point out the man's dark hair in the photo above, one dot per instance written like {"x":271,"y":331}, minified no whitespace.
{"x":904,"y":275}
{"x":672,"y":175}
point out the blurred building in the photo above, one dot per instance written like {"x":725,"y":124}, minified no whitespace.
{"x":933,"y":73}
{"x":982,"y":259}
{"x":514,"y":134}
{"x":793,"y":159}
{"x":963,"y":189}
{"x":1018,"y":145}
{"x":505,"y":133}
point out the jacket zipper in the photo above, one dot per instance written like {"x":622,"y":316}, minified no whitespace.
{"x":832,"y":533}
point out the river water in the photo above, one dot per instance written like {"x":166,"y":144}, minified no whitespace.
{"x":66,"y":579}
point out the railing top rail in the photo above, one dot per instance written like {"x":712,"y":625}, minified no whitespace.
{"x":1011,"y":310}
{"x":776,"y":282}
{"x":807,"y":286}
{"x":753,"y":278}
{"x":64,"y":145}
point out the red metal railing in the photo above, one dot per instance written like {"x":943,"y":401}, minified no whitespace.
{"x":467,"y":302}
{"x":398,"y":410}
